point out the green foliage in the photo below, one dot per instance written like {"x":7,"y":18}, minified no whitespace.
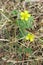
{"x":23,"y":25}
{"x":28,"y":50}
{"x":25,"y":50}
{"x":30,"y":22}
{"x":15,"y":12}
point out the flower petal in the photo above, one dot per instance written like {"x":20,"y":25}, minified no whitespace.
{"x":26,"y":19}
{"x":22,"y":18}
{"x":26,"y":38}
{"x":22,"y":13}
{"x":25,"y":15}
{"x":26,"y":12}
{"x":32,"y":37}
{"x":29,"y":15}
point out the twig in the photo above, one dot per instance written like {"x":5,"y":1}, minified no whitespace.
{"x":4,"y":40}
{"x":3,"y":24}
{"x":13,"y":61}
{"x":6,"y":17}
{"x":1,"y":10}
{"x":5,"y":21}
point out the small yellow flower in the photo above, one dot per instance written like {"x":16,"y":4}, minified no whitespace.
{"x":30,"y":37}
{"x":25,"y":15}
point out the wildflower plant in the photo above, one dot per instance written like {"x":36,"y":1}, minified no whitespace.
{"x":16,"y":41}
{"x":24,"y":21}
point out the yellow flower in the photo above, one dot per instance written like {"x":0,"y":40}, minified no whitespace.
{"x":25,"y":15}
{"x":30,"y":37}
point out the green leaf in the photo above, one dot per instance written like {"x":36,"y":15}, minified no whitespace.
{"x":22,"y":31}
{"x":25,"y":24}
{"x":15,"y":12}
{"x":26,"y":50}
{"x":21,"y":24}
{"x":29,"y":50}
{"x":30,"y":22}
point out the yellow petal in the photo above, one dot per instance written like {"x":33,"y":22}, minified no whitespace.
{"x":29,"y":15}
{"x":29,"y":35}
{"x":26,"y":19}
{"x":22,"y":18}
{"x":26,"y":12}
{"x":32,"y":39}
{"x":25,"y":15}
{"x":22,"y":13}
{"x":27,"y":38}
